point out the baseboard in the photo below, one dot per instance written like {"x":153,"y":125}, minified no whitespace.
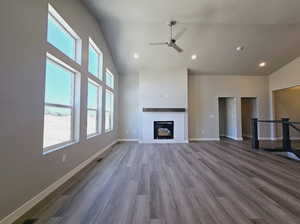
{"x":279,"y":138}
{"x":128,"y":140}
{"x":267,"y":139}
{"x":204,"y":139}
{"x":163,"y":142}
{"x":238,"y":139}
{"x":15,"y":215}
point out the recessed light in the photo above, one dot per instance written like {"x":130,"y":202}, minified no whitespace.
{"x":240,"y":48}
{"x":194,"y":57}
{"x":136,"y":56}
{"x":262,"y":64}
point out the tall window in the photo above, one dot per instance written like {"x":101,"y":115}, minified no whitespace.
{"x":109,"y":110}
{"x":59,"y":104}
{"x":61,"y":112}
{"x":95,"y":60}
{"x":62,"y":36}
{"x":93,"y":109}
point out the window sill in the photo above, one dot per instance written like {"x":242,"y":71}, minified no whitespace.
{"x":109,"y":131}
{"x":93,"y":136}
{"x":57,"y":148}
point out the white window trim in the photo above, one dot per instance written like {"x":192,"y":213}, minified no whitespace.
{"x":108,"y":72}
{"x":78,"y":42}
{"x":112,"y":112}
{"x":98,"y":110}
{"x":93,"y":45}
{"x":74,"y":107}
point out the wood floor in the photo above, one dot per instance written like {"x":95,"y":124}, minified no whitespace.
{"x":202,"y":182}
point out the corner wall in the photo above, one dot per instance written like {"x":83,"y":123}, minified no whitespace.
{"x":24,"y":170}
{"x":285,"y":77}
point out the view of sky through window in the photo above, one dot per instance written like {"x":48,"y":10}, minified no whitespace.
{"x":60,"y":38}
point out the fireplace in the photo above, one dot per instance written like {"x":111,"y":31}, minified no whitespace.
{"x":163,"y":129}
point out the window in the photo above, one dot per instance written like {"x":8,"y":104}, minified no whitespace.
{"x":62,"y":36}
{"x":59,"y":112}
{"x":109,"y":110}
{"x":95,"y":60}
{"x":109,"y":80}
{"x":93,"y":110}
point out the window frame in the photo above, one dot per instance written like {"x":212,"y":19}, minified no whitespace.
{"x":98,"y":110}
{"x":74,"y":108}
{"x":68,"y":29}
{"x":94,"y":46}
{"x":108,"y":90}
{"x":109,"y":73}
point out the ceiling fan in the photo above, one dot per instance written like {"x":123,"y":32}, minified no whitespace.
{"x":173,"y":39}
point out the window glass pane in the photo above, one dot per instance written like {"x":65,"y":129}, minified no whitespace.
{"x":109,"y":79}
{"x":57,"y":125}
{"x":60,"y":38}
{"x":59,"y":84}
{"x":108,"y":110}
{"x":94,"y":62}
{"x":92,"y":96}
{"x":91,"y":122}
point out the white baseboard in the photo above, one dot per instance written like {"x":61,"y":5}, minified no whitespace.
{"x":163,"y":142}
{"x":204,"y":139}
{"x":266,"y":139}
{"x":276,"y":138}
{"x":128,"y":140}
{"x":238,"y":139}
{"x":42,"y":195}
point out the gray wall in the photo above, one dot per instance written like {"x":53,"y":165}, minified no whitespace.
{"x":204,"y":91}
{"x":287,"y":105}
{"x":24,"y":170}
{"x":129,"y":104}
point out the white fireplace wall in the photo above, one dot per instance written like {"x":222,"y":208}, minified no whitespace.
{"x":163,"y":89}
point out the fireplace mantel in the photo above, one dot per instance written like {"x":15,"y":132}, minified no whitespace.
{"x":164,"y":109}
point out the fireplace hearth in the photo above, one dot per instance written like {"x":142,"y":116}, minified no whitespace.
{"x":163,"y":129}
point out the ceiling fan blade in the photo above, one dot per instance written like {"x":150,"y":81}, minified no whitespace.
{"x":180,"y":34}
{"x":158,"y":43}
{"x":177,"y":48}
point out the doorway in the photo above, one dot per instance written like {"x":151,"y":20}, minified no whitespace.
{"x":227,"y":117}
{"x":249,"y":111}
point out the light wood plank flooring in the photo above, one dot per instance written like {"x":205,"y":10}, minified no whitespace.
{"x":198,"y":183}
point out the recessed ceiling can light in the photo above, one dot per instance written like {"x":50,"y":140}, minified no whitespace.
{"x":240,"y":48}
{"x":262,"y":64}
{"x":194,"y":57}
{"x":136,"y":56}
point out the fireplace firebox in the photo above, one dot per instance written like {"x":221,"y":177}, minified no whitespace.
{"x":163,"y":129}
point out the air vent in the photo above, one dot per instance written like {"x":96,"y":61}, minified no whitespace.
{"x":30,"y":221}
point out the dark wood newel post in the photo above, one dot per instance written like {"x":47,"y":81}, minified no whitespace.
{"x":286,"y":141}
{"x":254,"y":127}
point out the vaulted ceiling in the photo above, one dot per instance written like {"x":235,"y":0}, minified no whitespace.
{"x":269,"y":30}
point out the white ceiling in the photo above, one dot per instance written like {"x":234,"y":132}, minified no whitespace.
{"x":269,"y":30}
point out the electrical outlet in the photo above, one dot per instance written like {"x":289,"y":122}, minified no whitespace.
{"x":64,"y":157}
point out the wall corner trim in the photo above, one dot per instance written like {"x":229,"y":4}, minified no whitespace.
{"x":19,"y":212}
